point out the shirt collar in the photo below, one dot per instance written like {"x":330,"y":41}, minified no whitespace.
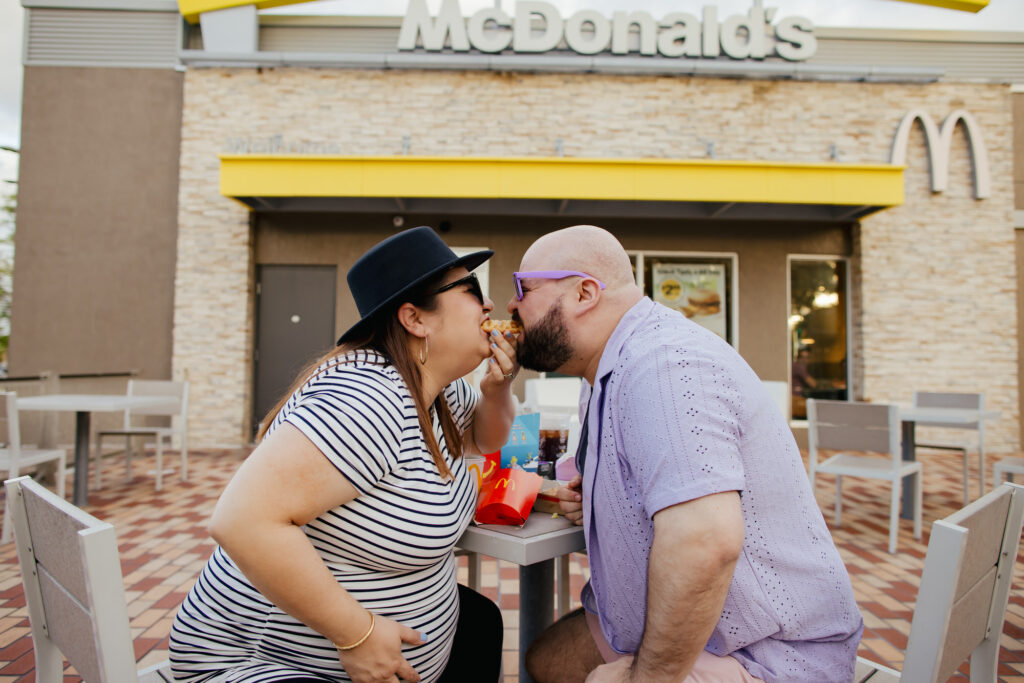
{"x":613,"y":347}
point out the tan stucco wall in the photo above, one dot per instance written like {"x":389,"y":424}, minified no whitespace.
{"x":97,"y":221}
{"x":920,"y":329}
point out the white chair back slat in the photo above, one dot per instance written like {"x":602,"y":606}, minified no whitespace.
{"x":75,"y":611}
{"x":939,"y":399}
{"x":67,"y":620}
{"x":968,"y":622}
{"x":866,"y":415}
{"x":965,"y":588}
{"x":173,"y":391}
{"x":61,"y":530}
{"x":984,"y":525}
{"x":862,"y":427}
{"x":853,"y":438}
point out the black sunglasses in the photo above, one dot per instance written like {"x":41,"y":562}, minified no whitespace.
{"x":470,"y":281}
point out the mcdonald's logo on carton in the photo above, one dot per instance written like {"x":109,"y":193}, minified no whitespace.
{"x":939,"y":142}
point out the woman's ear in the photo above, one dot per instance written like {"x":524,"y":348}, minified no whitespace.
{"x":410,"y":318}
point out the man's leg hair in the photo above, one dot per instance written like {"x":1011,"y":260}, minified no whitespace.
{"x":565,"y":652}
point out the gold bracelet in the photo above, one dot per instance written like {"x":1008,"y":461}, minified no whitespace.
{"x":342,"y":648}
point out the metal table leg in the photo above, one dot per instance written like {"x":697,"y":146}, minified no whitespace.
{"x":80,"y":497}
{"x":907,"y":506}
{"x":536,"y":607}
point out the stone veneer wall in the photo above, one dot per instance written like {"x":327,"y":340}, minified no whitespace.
{"x":934,"y":279}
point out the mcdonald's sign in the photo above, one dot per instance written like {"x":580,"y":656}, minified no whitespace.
{"x":939,"y":142}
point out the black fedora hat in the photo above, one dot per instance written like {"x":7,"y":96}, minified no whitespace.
{"x":395,"y":267}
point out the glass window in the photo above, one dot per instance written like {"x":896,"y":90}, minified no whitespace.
{"x":700,"y":286}
{"x":818,"y":314}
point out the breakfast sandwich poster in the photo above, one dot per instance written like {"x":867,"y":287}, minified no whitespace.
{"x":697,"y":290}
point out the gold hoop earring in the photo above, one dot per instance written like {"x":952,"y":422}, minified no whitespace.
{"x":425,"y":350}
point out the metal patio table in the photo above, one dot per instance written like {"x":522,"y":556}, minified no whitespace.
{"x":534,"y":548}
{"x":953,"y":417}
{"x":83,"y":405}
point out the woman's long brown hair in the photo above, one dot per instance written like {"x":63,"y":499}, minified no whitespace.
{"x":388,"y":337}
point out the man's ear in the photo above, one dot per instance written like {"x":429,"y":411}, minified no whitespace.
{"x":588,"y":295}
{"x":410,"y":318}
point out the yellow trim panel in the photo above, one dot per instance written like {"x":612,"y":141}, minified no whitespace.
{"x":191,"y":9}
{"x":561,"y":178}
{"x":962,"y":5}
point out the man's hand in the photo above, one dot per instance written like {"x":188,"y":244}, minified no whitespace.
{"x":570,"y":499}
{"x":619,"y":671}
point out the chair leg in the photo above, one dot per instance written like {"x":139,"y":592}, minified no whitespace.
{"x":61,"y":476}
{"x":839,"y":500}
{"x":5,"y":534}
{"x":967,"y":495}
{"x":981,"y":471}
{"x":918,"y":504}
{"x":894,"y":514}
{"x":128,"y":457}
{"x":159,"y":462}
{"x":184,"y":457}
{"x":97,"y":463}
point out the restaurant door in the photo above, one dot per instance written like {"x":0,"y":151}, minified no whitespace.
{"x":294,"y":325}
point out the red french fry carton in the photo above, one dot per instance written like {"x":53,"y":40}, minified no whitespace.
{"x":492,"y":463}
{"x":507,"y":497}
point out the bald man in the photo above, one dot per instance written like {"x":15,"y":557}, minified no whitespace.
{"x":709,"y":557}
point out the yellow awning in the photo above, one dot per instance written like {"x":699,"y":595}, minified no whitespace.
{"x":654,"y":188}
{"x":191,"y":9}
{"x":560,"y":178}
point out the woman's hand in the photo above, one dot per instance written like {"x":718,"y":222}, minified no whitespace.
{"x":502,"y":366}
{"x":379,"y":659}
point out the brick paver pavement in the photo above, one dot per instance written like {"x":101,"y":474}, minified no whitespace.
{"x":163,"y":544}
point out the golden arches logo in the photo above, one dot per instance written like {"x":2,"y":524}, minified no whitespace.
{"x":505,"y":482}
{"x":939,"y":142}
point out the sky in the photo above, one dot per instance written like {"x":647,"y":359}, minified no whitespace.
{"x":1000,"y":15}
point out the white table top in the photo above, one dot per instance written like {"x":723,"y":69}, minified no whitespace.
{"x":541,"y":538}
{"x":88,"y":403}
{"x":951,"y":416}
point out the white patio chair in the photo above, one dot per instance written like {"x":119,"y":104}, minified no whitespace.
{"x":964,"y":591}
{"x":864,"y":428}
{"x":14,"y":457}
{"x":553,"y":395}
{"x":177,"y":408}
{"x":936,"y":399}
{"x":1006,"y":468}
{"x":779,"y":392}
{"x":73,"y":589}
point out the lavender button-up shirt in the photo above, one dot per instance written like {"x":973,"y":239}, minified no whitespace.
{"x":676,"y":414}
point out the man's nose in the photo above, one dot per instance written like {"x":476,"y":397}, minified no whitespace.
{"x":512,"y":304}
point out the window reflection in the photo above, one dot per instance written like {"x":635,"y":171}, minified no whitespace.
{"x":817,"y":327}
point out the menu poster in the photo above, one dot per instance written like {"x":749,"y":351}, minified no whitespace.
{"x":697,"y":290}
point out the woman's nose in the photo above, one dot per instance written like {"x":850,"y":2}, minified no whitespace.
{"x":488,"y":304}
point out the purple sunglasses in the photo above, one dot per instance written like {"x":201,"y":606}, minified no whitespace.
{"x":518,"y":277}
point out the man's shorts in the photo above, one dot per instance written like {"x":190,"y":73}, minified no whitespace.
{"x":708,"y":668}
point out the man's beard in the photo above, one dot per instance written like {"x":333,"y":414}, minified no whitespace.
{"x":545,"y":346}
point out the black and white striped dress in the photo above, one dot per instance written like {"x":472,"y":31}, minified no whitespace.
{"x":390,"y":547}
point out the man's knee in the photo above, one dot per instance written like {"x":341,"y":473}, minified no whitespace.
{"x":564,"y":652}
